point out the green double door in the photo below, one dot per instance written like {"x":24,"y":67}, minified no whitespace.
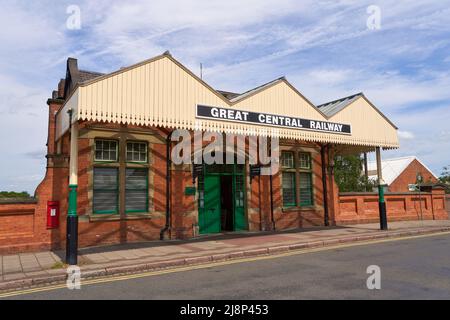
{"x":220,"y":202}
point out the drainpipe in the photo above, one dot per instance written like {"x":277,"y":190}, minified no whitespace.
{"x":271,"y":202}
{"x":274,"y":227}
{"x":324,"y":184}
{"x":168,"y":180}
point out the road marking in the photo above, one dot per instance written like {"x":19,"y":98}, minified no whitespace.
{"x":216,"y":264}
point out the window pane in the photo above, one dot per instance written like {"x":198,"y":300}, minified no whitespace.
{"x":105,"y":178}
{"x":239,"y":191}
{"x":136,"y":178}
{"x":137,"y":151}
{"x":305,"y":189}
{"x":105,"y":202}
{"x":136,"y":194}
{"x":136,"y":200}
{"x":105,"y":190}
{"x":305,"y":160}
{"x":288,"y":188}
{"x":201,"y":192}
{"x":287,"y":159}
{"x":105,"y":150}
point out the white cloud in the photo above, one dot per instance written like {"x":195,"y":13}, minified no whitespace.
{"x":407,"y":135}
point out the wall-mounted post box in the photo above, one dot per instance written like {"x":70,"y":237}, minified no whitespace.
{"x":52,"y":214}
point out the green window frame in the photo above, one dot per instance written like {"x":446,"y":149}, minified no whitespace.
{"x":287,"y":160}
{"x":137,"y":151}
{"x":289,"y":189}
{"x":288,"y":179}
{"x":239,"y":194}
{"x":304,"y":160}
{"x":136,"y":190}
{"x":106,"y":150}
{"x":105,"y":190}
{"x":201,"y":191}
{"x":305,"y":189}
{"x":305,"y":192}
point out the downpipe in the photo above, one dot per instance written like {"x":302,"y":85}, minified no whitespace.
{"x":168,"y":181}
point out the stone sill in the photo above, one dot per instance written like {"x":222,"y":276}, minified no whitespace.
{"x":293,"y":209}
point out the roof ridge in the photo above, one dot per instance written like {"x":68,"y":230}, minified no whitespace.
{"x":88,"y":71}
{"x":260,"y":86}
{"x":393,"y":159}
{"x":341,"y":99}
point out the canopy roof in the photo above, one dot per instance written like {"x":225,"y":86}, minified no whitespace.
{"x":162,"y":92}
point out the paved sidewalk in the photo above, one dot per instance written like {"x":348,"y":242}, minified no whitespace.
{"x":30,"y":269}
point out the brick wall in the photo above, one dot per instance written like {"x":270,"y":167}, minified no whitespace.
{"x":448,"y":203}
{"x":17,"y":223}
{"x":298,"y":217}
{"x":29,"y":226}
{"x":409,"y":176}
{"x":363,"y":207}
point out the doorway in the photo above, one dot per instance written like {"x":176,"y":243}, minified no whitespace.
{"x":221,"y":199}
{"x":226,"y":202}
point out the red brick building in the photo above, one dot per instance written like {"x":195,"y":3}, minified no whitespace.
{"x":110,"y":164}
{"x":400,"y":173}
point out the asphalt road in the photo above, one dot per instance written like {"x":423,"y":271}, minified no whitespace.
{"x":416,"y":268}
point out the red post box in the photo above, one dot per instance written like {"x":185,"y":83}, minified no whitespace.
{"x":52,"y":214}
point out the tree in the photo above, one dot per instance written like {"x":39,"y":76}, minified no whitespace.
{"x":445,"y":178}
{"x":14,"y":195}
{"x":348,"y":174}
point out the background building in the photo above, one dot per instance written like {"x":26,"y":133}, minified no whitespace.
{"x":399,"y":173}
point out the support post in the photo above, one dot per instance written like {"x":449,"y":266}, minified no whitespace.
{"x":366,"y":170}
{"x":381,"y":202}
{"x":274,"y":227}
{"x":324,"y":186}
{"x":72,"y":217}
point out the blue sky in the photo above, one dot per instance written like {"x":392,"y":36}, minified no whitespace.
{"x":323,"y":47}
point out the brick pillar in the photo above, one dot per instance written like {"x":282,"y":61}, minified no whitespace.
{"x":52,"y":187}
{"x":438,"y":204}
{"x":53,"y":107}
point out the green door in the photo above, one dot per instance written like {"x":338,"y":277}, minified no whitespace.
{"x":240,"y":222}
{"x":209,"y":216}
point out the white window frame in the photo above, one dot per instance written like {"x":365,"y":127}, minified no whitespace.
{"x":106,"y":160}
{"x":134,"y":152}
